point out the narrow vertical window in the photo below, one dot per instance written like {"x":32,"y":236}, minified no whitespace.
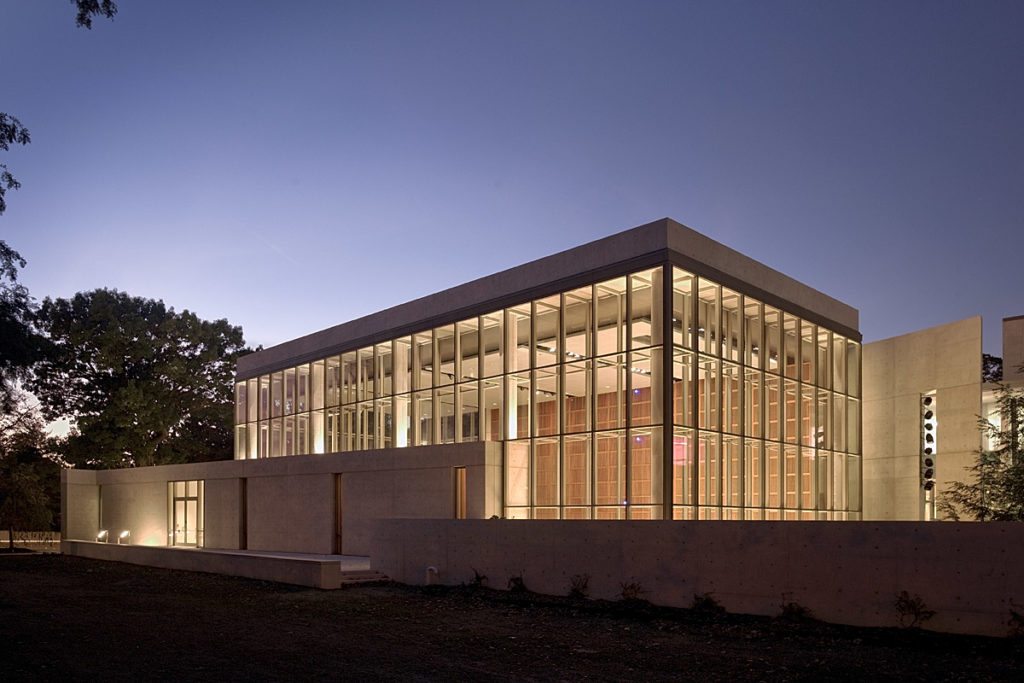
{"x":459,"y":486}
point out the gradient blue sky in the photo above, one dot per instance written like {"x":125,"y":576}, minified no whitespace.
{"x":290,"y":166}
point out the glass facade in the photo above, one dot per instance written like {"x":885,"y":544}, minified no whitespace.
{"x":607,"y":408}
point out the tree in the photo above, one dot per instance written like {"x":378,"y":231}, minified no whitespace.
{"x":991,"y":369}
{"x":11,"y":130}
{"x":142,"y":384}
{"x":19,"y":343}
{"x":87,"y":9}
{"x":11,"y":133}
{"x":29,"y":481}
{"x":996,"y":489}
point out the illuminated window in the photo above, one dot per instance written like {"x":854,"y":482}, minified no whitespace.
{"x":761,"y":406}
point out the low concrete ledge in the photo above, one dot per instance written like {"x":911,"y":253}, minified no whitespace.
{"x":301,"y":571}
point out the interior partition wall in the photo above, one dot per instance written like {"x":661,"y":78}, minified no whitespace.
{"x":655,"y":394}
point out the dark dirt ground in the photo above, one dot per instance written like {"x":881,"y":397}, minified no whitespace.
{"x":70,"y":618}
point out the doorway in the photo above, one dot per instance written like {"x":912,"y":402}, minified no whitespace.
{"x":186,"y":503}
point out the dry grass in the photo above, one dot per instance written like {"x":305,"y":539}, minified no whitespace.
{"x":70,"y":617}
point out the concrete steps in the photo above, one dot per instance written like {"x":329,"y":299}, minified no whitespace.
{"x":362,"y":577}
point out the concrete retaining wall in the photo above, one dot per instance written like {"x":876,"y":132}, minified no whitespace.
{"x":844,"y":572}
{"x":300,"y":571}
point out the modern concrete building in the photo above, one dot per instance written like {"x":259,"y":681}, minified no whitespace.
{"x":568,"y":416}
{"x":653,"y":374}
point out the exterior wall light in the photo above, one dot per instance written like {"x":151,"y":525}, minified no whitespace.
{"x":101,"y":537}
{"x":124,"y":537}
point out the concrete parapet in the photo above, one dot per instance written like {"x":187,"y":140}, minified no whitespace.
{"x":301,"y":571}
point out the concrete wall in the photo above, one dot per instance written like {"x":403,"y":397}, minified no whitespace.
{"x":79,"y":504}
{"x":139,"y":508}
{"x":293,"y":513}
{"x":289,"y":502}
{"x":945,"y":359}
{"x":844,"y":572}
{"x":1013,"y":349}
{"x":222,"y":502}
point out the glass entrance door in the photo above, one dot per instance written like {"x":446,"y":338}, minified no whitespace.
{"x":186,"y":503}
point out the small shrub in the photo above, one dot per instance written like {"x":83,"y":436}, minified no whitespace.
{"x":479,"y":580}
{"x":912,"y":610}
{"x":579,"y":586}
{"x":706,"y":603}
{"x":1016,"y":621}
{"x":632,"y":590}
{"x":790,"y":610}
{"x":516,"y":584}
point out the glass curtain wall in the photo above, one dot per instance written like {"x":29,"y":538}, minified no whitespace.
{"x":765,"y":411}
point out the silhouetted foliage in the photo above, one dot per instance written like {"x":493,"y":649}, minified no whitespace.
{"x":632,"y":591}
{"x":1016,"y":621}
{"x":911,"y":610}
{"x":87,"y":9}
{"x":11,"y":130}
{"x":142,"y":384}
{"x":29,"y":481}
{"x":516,"y":584}
{"x":19,"y":343}
{"x":706,"y":603}
{"x":991,"y":368}
{"x":11,"y":133}
{"x":479,"y":580}
{"x":579,"y":586}
{"x":996,"y":489}
{"x":791,"y":610}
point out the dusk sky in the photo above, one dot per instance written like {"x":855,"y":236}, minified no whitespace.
{"x":290,"y":166}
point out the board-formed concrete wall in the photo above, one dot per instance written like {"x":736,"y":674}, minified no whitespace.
{"x":844,"y":572}
{"x":897,"y":371}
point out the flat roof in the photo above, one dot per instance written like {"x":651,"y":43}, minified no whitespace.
{"x":651,"y":244}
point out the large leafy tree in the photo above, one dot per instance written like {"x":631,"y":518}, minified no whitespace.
{"x":29,"y":479}
{"x":141,"y":383}
{"x":995,"y":489}
{"x":19,"y":344}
